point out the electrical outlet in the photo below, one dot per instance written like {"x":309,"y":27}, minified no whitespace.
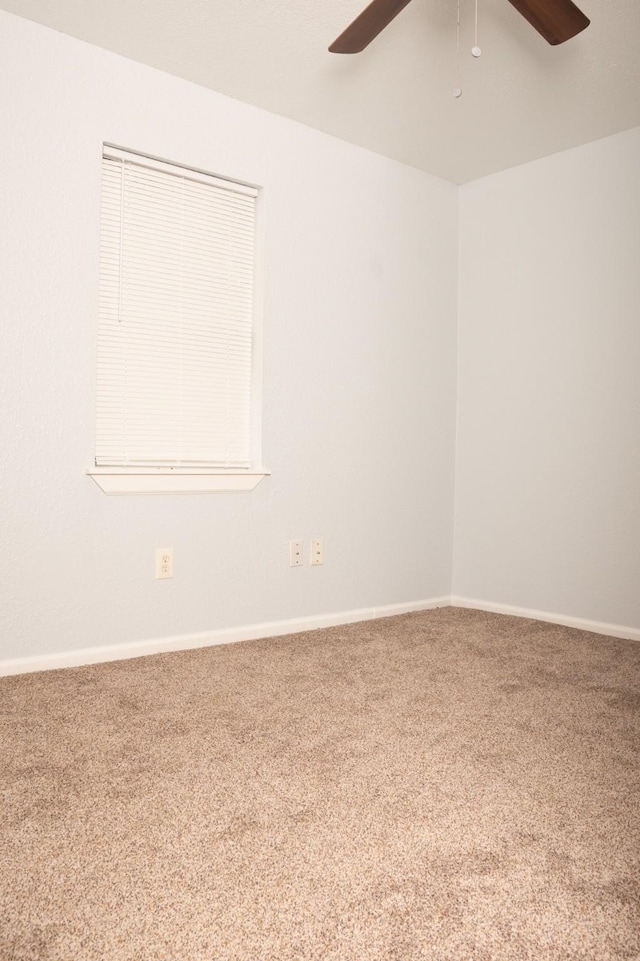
{"x":317,"y":551}
{"x":295,"y":554}
{"x":164,"y":562}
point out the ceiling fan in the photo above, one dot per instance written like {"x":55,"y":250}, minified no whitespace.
{"x":556,"y":20}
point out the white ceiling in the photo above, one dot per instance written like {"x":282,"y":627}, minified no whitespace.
{"x":523,"y":99}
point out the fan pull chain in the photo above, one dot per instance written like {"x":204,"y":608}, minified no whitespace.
{"x":457,"y":90}
{"x":475,"y":50}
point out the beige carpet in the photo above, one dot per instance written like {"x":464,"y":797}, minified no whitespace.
{"x":442,"y":785}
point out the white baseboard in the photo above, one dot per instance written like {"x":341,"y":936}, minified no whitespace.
{"x":118,"y":652}
{"x":596,"y":627}
{"x":182,"y":642}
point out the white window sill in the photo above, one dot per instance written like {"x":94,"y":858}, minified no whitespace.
{"x":179,"y":480}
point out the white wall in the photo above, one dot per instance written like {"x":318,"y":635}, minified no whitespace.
{"x":359,"y":370}
{"x":548,"y":460}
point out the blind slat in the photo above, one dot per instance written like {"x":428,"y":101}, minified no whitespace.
{"x":175,"y":318}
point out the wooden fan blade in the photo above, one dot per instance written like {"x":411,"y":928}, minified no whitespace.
{"x":367,"y":26}
{"x":556,"y":20}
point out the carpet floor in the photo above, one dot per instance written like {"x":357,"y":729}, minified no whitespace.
{"x":442,"y":785}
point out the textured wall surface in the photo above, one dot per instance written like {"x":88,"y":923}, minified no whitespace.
{"x":359,"y":367}
{"x":548,"y":466}
{"x":360,"y":306}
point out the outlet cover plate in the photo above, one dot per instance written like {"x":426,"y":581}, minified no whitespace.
{"x":164,"y":562}
{"x":295,"y":554}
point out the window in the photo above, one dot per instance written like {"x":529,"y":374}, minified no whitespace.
{"x":177,"y":381}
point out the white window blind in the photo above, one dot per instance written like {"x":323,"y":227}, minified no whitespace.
{"x":175,"y":317}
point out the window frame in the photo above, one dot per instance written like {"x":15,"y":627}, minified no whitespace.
{"x":123,"y":479}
